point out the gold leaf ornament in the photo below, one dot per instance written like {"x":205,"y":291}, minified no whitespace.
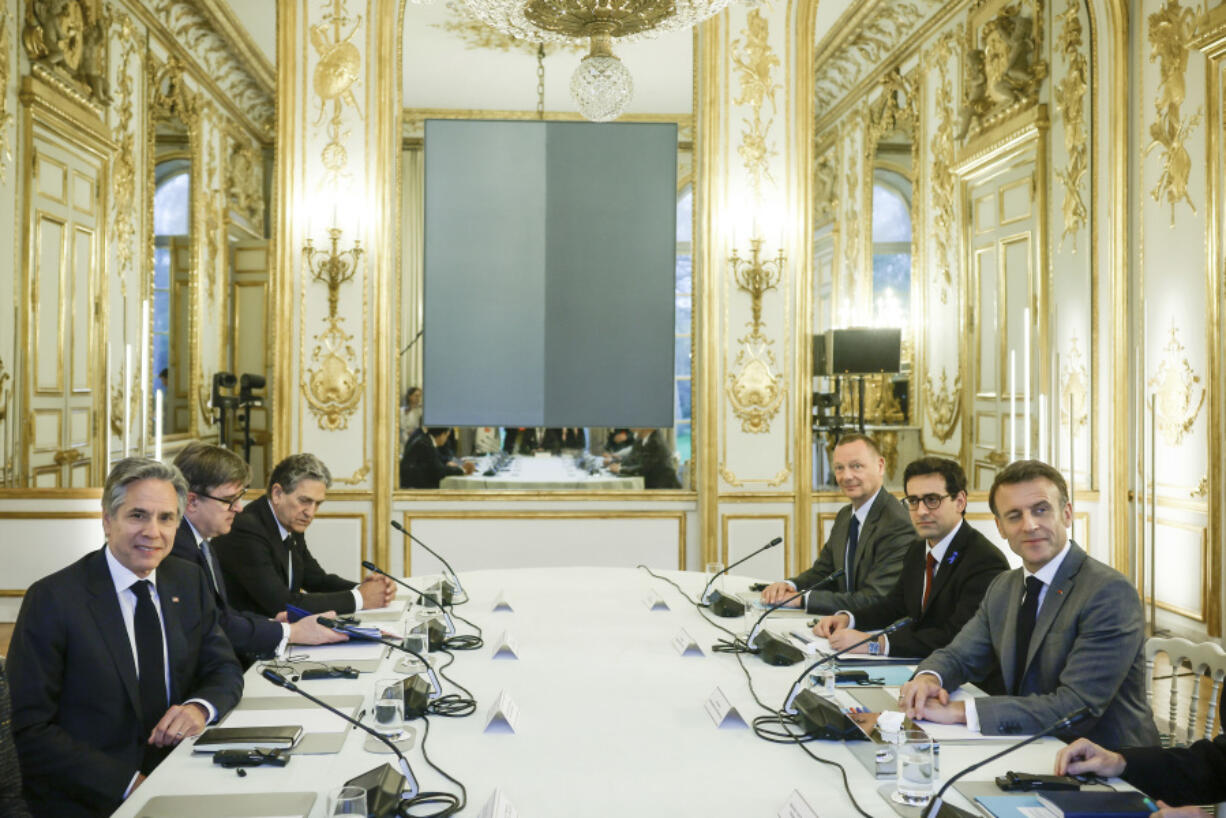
{"x":1175,"y":388}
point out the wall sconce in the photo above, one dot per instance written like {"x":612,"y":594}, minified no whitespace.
{"x":756,"y":276}
{"x":332,"y":267}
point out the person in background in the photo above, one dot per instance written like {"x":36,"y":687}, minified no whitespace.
{"x":486,"y":440}
{"x":427,"y":460}
{"x":11,"y":803}
{"x":651,"y":459}
{"x":410,"y":414}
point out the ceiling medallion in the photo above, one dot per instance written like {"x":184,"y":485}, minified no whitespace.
{"x":601,"y":85}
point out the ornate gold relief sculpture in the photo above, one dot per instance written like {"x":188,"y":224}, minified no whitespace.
{"x":944,"y":404}
{"x":851,"y":237}
{"x":755,"y":388}
{"x":1070,"y":94}
{"x":1174,"y":386}
{"x":333,"y":386}
{"x":894,"y":110}
{"x":1074,"y":389}
{"x":1202,"y":488}
{"x":171,"y":97}
{"x":6,"y":392}
{"x":214,"y":275}
{"x":245,"y":182}
{"x":887,"y":442}
{"x":357,"y":477}
{"x":1001,"y":67}
{"x":6,"y":118}
{"x":123,"y":220}
{"x":1170,"y":30}
{"x":66,"y":40}
{"x":338,"y":69}
{"x":941,"y":179}
{"x":825,"y":188}
{"x":754,"y":62}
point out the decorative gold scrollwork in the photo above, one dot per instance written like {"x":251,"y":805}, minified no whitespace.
{"x":825,"y":188}
{"x":944,"y":404}
{"x":245,"y":182}
{"x":333,"y":387}
{"x":755,"y":387}
{"x":754,"y":63}
{"x":6,"y":392}
{"x":1170,"y":30}
{"x":887,"y":443}
{"x":66,"y":457}
{"x":357,"y":477}
{"x":1074,"y":389}
{"x":998,"y":458}
{"x":1202,"y":488}
{"x":123,"y":193}
{"x":1001,"y":68}
{"x":943,"y":183}
{"x":68,"y":38}
{"x":1174,"y":386}
{"x":6,"y":118}
{"x":894,"y":110}
{"x":338,"y":69}
{"x":1070,"y":94}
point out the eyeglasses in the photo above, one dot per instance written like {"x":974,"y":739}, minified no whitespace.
{"x":930,"y":501}
{"x":228,"y":502}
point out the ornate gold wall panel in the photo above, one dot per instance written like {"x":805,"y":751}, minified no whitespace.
{"x":6,"y":117}
{"x":1169,"y":32}
{"x":1069,"y":97}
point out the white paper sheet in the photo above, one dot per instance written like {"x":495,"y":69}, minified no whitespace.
{"x":341,"y":651}
{"x":313,"y":720}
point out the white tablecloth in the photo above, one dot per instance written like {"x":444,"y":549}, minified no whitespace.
{"x":543,"y":474}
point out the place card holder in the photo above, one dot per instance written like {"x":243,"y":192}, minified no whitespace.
{"x":505,"y":647}
{"x":686,"y":645}
{"x":654,"y":602}
{"x":501,"y":604}
{"x":723,"y":714}
{"x":796,"y":807}
{"x":503,"y":715}
{"x":499,"y":806}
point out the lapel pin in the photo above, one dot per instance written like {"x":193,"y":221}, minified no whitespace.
{"x":174,"y":599}
{"x":951,"y":559}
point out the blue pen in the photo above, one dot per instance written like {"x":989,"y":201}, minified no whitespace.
{"x":800,"y":637}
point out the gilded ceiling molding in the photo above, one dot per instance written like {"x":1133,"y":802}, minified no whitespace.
{"x":754,"y":63}
{"x":123,"y":179}
{"x":223,"y":20}
{"x":338,"y":69}
{"x":1074,"y":388}
{"x":6,"y":118}
{"x":1174,"y":387}
{"x":476,"y":34}
{"x":66,"y":41}
{"x":1171,"y":30}
{"x":858,"y":48}
{"x":944,"y":404}
{"x":1001,"y":69}
{"x":1070,"y":95}
{"x":193,"y":30}
{"x":941,"y":179}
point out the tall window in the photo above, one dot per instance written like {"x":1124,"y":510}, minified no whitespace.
{"x":891,"y":249}
{"x":684,"y":326}
{"x":171,"y":199}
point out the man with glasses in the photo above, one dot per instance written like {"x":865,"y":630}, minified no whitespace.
{"x":216,"y":480}
{"x":867,"y":542}
{"x":265,"y":561}
{"x":1066,"y":630}
{"x":944,"y":574}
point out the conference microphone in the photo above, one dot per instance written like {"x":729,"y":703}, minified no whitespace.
{"x":452,"y":577}
{"x":370,"y":566}
{"x":280,"y":681}
{"x":366,"y":636}
{"x":753,"y":632}
{"x":771,"y":544}
{"x":936,"y":808}
{"x":796,"y":686}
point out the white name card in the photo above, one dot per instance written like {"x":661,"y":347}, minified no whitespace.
{"x":499,"y":806}
{"x":722,"y":713}
{"x":655,"y":602}
{"x":501,"y":604}
{"x":685,"y":644}
{"x":503,"y":715}
{"x":506,"y":647}
{"x":796,"y":807}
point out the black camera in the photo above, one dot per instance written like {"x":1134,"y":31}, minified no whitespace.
{"x":251,"y":758}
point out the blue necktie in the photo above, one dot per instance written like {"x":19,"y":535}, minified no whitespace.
{"x":849,"y":557}
{"x":1025,"y":629}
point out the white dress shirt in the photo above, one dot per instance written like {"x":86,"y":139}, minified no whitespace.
{"x":860,"y":514}
{"x":289,"y":565}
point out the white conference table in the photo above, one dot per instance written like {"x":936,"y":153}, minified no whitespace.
{"x":526,"y":473}
{"x":611,"y":720}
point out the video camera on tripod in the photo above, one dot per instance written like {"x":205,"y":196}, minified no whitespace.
{"x":241,"y":404}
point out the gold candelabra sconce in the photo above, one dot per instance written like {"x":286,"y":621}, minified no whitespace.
{"x":332,"y":267}
{"x":756,"y":276}
{"x":754,"y":385}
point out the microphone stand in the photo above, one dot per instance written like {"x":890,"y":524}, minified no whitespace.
{"x":370,"y":566}
{"x":703,"y":599}
{"x":795,"y":691}
{"x":280,"y":681}
{"x":937,"y":808}
{"x":453,"y":577}
{"x":353,"y":633}
{"x":753,"y":632}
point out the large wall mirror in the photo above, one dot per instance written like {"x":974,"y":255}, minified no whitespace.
{"x":443,"y":51}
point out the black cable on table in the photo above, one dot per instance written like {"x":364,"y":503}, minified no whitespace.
{"x":452,"y":705}
{"x":450,"y":802}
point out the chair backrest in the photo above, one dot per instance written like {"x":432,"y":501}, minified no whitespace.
{"x":1204,"y":659}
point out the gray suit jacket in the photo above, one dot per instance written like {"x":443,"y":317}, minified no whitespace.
{"x":1086,"y":650}
{"x":880,"y":548}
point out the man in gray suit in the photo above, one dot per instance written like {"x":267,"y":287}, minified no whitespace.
{"x":871,"y":534}
{"x":1067,"y":630}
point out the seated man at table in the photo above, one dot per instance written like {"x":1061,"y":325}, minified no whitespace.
{"x":869,"y":538}
{"x":1176,"y":776}
{"x":118,"y":657}
{"x":216,"y":479}
{"x":944,"y":573}
{"x":265,"y":562}
{"x":1066,"y":630}
{"x":427,"y":460}
{"x":651,"y":459}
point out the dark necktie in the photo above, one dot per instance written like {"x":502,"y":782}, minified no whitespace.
{"x":1025,"y":629}
{"x":151,"y":667}
{"x":929,"y":570}
{"x":289,"y":560}
{"x":849,"y":558}
{"x":210,"y":568}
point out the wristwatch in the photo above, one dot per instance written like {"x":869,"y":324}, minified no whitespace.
{"x":874,"y":647}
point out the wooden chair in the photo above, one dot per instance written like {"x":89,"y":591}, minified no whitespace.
{"x":1204,"y":659}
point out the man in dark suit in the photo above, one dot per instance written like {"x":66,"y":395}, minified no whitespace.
{"x":868,"y":541}
{"x":11,"y":803}
{"x":118,"y":657}
{"x":427,"y":460}
{"x":945,"y":573}
{"x":216,"y":480}
{"x":264,"y":559}
{"x":651,"y":459}
{"x":1067,"y":631}
{"x":1177,"y":776}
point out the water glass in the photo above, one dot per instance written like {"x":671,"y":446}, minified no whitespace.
{"x":347,"y":801}
{"x":916,"y":772}
{"x":389,"y":706}
{"x":712,"y":570}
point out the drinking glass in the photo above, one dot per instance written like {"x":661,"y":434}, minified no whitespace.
{"x":711,"y":570}
{"x":347,"y":801}
{"x":916,"y":774}
{"x":389,"y":706}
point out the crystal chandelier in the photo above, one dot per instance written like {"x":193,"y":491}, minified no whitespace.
{"x":601,"y":85}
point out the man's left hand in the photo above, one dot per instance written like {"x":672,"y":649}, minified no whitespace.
{"x":181,"y":721}
{"x":1179,"y":812}
{"x":950,"y":713}
{"x":846,"y":637}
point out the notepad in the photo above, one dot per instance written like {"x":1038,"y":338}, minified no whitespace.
{"x":1073,"y":804}
{"x":265,"y":737}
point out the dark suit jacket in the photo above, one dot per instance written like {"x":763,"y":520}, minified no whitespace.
{"x":424,"y":465}
{"x":11,"y":803}
{"x":1181,"y":775}
{"x":1086,"y":649}
{"x":76,"y":711}
{"x":653,"y":460}
{"x":252,"y":635}
{"x":519,"y":440}
{"x":970,"y":564}
{"x":880,"y":547}
{"x":255,"y":567}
